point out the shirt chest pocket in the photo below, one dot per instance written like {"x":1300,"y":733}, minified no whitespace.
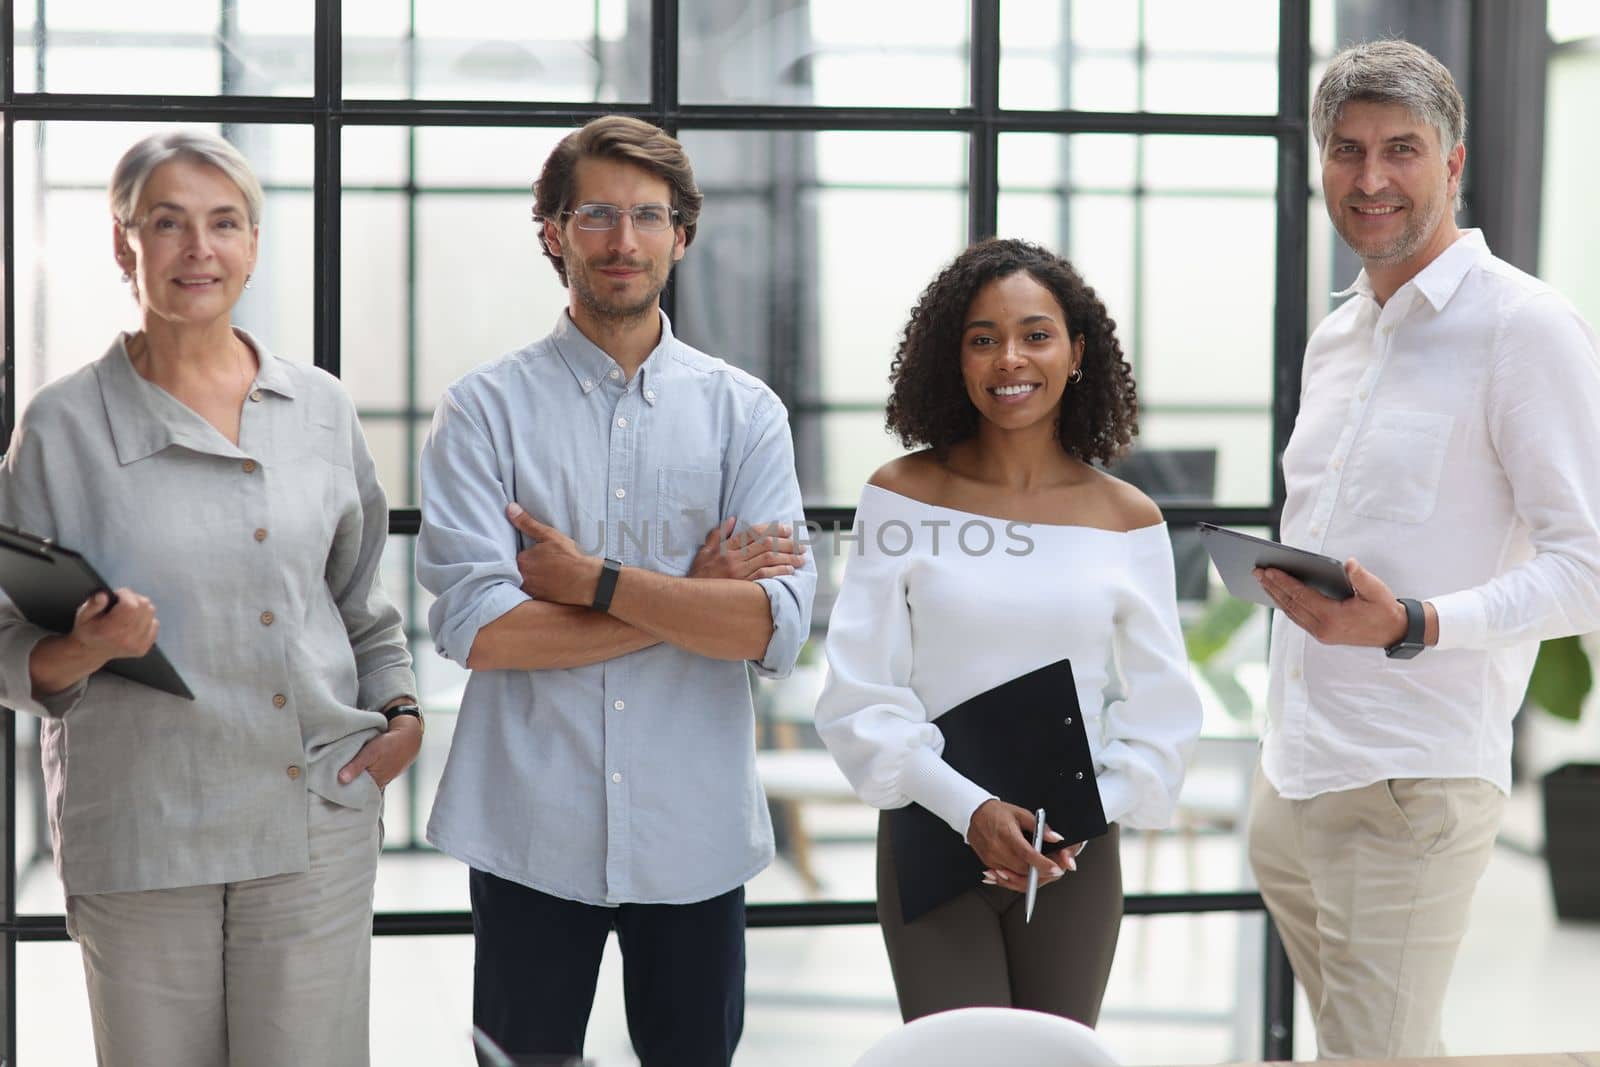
{"x":688,"y":503}
{"x":1394,"y":474}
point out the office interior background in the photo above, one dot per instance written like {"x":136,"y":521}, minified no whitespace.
{"x":847,"y":150}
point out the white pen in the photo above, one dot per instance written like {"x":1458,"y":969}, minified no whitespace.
{"x":1033,"y":872}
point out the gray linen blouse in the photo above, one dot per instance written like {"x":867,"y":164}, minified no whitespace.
{"x":262,"y":561}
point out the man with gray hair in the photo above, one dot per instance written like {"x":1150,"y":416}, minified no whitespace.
{"x":1446,"y":437}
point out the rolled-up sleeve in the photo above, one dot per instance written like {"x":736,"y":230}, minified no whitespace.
{"x":1150,"y":732}
{"x":466,"y":550}
{"x":377,"y":635}
{"x":765,"y":490}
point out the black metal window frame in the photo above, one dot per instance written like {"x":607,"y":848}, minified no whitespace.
{"x":983,"y":120}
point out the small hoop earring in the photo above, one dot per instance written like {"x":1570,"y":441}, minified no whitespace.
{"x":127,"y":277}
{"x":1076,"y":376}
{"x":247,"y":278}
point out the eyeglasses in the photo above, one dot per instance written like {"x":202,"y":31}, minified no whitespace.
{"x":650,"y":218}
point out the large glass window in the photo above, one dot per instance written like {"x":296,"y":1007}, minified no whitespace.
{"x":847,"y":152}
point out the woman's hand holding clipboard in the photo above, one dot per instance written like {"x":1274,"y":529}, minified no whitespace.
{"x":114,"y":630}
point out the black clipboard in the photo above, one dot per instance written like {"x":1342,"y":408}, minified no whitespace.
{"x":1237,"y":554}
{"x":48,"y":583}
{"x":1024,"y":742}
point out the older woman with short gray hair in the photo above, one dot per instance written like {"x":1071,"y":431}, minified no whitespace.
{"x":218,"y":854}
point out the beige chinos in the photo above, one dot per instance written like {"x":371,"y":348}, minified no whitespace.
{"x":1370,"y":889}
{"x":260,"y":973}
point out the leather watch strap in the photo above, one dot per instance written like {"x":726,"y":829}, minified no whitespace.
{"x":391,"y":714}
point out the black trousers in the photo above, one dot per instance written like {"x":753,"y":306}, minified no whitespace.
{"x":538,"y":958}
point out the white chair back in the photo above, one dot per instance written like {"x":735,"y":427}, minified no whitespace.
{"x":968,"y":1037}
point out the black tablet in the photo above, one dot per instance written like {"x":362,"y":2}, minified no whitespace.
{"x":48,"y":583}
{"x":1238,"y":554}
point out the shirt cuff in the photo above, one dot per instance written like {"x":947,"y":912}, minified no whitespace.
{"x":16,"y":686}
{"x":495,"y":601}
{"x":1462,"y":622}
{"x":930,"y":781}
{"x":1118,"y":795}
{"x":783,"y":647}
{"x":385,"y":685}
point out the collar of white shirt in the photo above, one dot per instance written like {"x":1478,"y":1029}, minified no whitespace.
{"x":1439,"y":280}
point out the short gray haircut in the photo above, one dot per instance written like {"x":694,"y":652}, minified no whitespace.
{"x":1390,"y":72}
{"x":140,"y":161}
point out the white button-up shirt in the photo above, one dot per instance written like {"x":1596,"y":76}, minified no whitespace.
{"x":1449,"y":440}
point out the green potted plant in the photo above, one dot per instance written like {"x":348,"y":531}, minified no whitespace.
{"x":1562,"y":678}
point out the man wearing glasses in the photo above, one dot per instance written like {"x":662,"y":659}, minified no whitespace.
{"x":602,"y":773}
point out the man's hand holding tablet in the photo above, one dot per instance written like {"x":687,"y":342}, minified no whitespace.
{"x":1338,"y":604}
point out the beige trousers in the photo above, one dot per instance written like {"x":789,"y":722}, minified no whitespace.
{"x":272,"y":971}
{"x":1370,"y":889}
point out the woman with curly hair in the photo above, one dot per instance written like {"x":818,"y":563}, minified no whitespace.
{"x":999,"y":548}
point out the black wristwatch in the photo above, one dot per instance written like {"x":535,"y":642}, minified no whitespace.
{"x":391,"y":714}
{"x":1416,"y":621}
{"x":608,"y":584}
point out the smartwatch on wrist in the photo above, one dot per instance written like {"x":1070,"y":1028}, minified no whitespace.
{"x":1411,"y":643}
{"x":391,"y":714}
{"x":608,"y":584}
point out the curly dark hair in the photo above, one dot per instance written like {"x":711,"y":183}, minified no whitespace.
{"x":928,"y":404}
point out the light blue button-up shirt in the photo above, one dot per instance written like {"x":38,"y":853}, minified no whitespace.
{"x":631,"y":780}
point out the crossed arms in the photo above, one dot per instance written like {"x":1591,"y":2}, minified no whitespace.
{"x":716,"y":611}
{"x":510,"y":604}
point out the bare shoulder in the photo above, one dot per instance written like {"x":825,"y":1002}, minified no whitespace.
{"x":1128,"y":505}
{"x":918,"y":476}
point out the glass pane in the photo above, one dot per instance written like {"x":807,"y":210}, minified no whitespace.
{"x":188,"y":47}
{"x":780,"y":279}
{"x":53,"y":1024}
{"x":1207,"y":343}
{"x":409,"y":326}
{"x":1242,"y":444}
{"x":373,"y":301}
{"x":373,"y":156}
{"x":70,"y":300}
{"x":488,"y":50}
{"x":1184,"y":988}
{"x":37,"y":887}
{"x":1133,"y":214}
{"x":1571,"y":220}
{"x":837,"y":452}
{"x":836,"y":53}
{"x":1159,"y":55}
{"x":508,"y":158}
{"x":514,"y":297}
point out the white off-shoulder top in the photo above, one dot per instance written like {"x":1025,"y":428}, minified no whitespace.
{"x":938,"y":605}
